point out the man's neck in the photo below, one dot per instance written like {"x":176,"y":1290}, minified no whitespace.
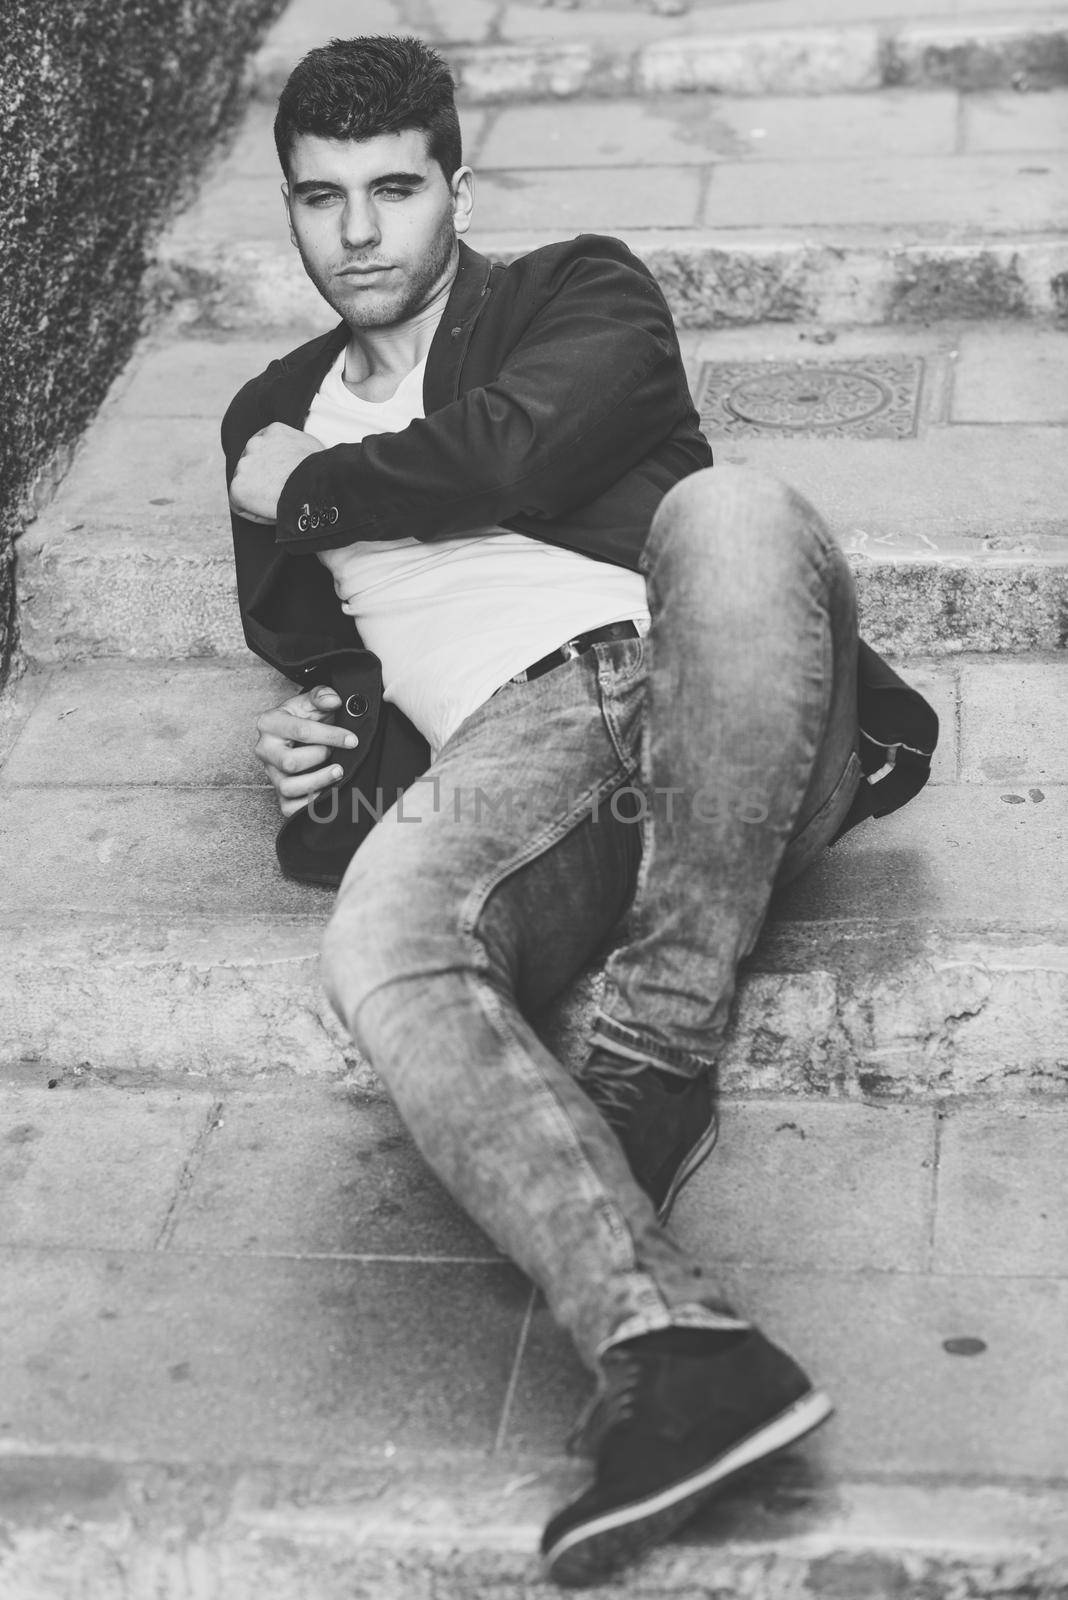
{"x":378,"y":359}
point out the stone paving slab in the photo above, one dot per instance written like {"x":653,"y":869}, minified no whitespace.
{"x":224,"y":1358}
{"x":828,"y":1186}
{"x":320,"y":1171}
{"x":947,"y":198}
{"x":128,"y":851}
{"x":192,"y":722}
{"x":158,"y":1352}
{"x":1009,"y":733}
{"x":1008,"y":120}
{"x":688,"y":130}
{"x":1000,"y":1209}
{"x":94,"y":1169}
{"x":1016,"y":837}
{"x":122,"y":849}
{"x":292,"y":1423}
{"x":1012,"y":375}
{"x":179,"y":723}
{"x":981,"y":481}
{"x":959,"y":196}
{"x":876,"y":1341}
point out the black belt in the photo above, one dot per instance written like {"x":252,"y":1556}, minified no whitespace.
{"x":574,"y":647}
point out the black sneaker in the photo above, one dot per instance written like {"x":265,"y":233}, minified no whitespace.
{"x":666,"y":1123}
{"x":682,"y":1413}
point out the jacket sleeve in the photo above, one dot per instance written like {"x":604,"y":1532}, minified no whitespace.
{"x":591,"y":386}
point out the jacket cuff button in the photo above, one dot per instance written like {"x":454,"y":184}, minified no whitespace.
{"x":357,"y":705}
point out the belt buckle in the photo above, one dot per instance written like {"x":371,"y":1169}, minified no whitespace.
{"x":570,"y":649}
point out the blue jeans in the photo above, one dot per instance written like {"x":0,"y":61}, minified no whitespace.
{"x":693,"y":769}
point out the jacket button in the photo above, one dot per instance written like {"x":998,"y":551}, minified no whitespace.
{"x":315,"y":522}
{"x":332,"y":515}
{"x":357,"y":705}
{"x":302,"y":523}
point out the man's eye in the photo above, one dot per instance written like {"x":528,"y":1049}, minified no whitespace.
{"x":322,"y":198}
{"x":394,"y":192}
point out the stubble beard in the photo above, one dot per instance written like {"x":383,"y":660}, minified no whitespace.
{"x":383,"y":308}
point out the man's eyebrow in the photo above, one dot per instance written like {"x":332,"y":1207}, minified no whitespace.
{"x":410,"y":179}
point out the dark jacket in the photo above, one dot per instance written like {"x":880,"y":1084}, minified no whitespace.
{"x":556,"y":405}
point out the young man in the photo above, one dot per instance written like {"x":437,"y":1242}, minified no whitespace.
{"x":625,"y":675}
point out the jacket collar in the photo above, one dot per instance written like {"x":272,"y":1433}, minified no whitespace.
{"x":302,"y":371}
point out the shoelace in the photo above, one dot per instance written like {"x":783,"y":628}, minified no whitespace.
{"x":613,"y":1402}
{"x":611,"y":1087}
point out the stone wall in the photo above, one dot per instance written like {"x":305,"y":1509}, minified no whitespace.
{"x":107,"y":110}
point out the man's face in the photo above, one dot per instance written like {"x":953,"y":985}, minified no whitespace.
{"x":375,"y":222}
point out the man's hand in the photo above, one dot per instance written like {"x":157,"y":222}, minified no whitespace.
{"x":295,"y":740}
{"x":265,"y":464}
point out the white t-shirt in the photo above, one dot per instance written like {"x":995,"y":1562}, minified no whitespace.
{"x":453,"y":619}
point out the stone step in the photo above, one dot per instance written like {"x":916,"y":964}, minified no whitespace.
{"x":151,"y":933}
{"x":236,"y":1341}
{"x":858,"y":209}
{"x":947,"y":487}
{"x":406,"y":1529}
{"x":502,"y":53}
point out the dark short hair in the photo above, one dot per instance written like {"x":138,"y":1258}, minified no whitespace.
{"x":360,"y":88}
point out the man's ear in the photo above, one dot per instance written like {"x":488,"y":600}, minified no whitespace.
{"x":289,"y":213}
{"x":463,"y":198}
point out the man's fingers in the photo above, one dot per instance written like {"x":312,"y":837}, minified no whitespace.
{"x":296,"y":747}
{"x":290,"y":759}
{"x":282,"y":724}
{"x":295,"y":792}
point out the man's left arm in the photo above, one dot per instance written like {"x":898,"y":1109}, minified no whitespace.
{"x":591,"y":386}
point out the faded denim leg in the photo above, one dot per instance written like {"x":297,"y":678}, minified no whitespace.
{"x":748,"y":759}
{"x":470,"y":904}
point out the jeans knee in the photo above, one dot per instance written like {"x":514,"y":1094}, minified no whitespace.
{"x":730,"y":520}
{"x":388,"y":930}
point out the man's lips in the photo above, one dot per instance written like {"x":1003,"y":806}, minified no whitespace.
{"x":362,"y":272}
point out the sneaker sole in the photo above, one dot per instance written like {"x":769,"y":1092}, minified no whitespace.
{"x":700,"y":1153}
{"x":587,"y":1553}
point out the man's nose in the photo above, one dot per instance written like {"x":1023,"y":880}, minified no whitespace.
{"x":359,"y":226}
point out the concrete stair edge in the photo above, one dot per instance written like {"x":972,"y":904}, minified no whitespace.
{"x":847,"y":1009}
{"x":711,"y":279}
{"x":87,"y":597}
{"x":466,"y":1529}
{"x":999,"y":52}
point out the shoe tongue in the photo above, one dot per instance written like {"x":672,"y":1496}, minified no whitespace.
{"x":673,"y":1082}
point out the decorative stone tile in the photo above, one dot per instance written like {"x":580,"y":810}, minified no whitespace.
{"x":876,"y":398}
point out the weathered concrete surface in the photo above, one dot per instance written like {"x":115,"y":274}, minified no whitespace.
{"x":463,"y":1530}
{"x":1012,"y":374}
{"x":667,"y":130}
{"x":106,"y":116}
{"x":152,"y":933}
{"x":506,"y":53}
{"x":711,"y":279}
{"x":291,"y":1246}
{"x":957,"y":535}
{"x":156,"y":936}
